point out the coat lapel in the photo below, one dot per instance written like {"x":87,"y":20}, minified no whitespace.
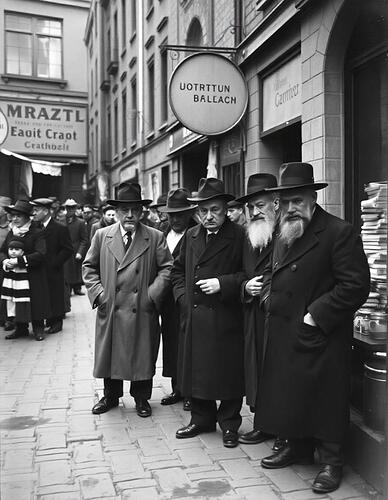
{"x":221,"y":240}
{"x":198,"y":243}
{"x":114,"y":242}
{"x":138,"y":247}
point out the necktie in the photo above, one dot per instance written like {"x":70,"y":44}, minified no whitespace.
{"x":127,"y":240}
{"x":210,"y":237}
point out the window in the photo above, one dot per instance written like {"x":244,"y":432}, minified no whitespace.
{"x":91,"y":85}
{"x":133,"y":111}
{"x":33,"y":46}
{"x":95,"y":20}
{"x":115,"y":38}
{"x":124,"y":118}
{"x":96,"y":77}
{"x":151,"y":96}
{"x":165,"y":179}
{"x":115,"y":128}
{"x":133,"y":16}
{"x":108,"y":134}
{"x":163,"y":86}
{"x":123,"y":23}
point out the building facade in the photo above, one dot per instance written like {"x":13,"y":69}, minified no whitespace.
{"x":43,"y":98}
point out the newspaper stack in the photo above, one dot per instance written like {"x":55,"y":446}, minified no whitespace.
{"x":374,"y":237}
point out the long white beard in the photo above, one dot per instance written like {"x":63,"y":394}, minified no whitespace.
{"x":259,"y":232}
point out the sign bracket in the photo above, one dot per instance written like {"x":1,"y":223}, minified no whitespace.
{"x":197,"y":48}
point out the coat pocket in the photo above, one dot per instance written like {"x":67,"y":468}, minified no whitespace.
{"x":310,"y":339}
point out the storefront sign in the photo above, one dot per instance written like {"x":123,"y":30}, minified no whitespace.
{"x":43,"y":129}
{"x":208,"y":93}
{"x":282,"y":95}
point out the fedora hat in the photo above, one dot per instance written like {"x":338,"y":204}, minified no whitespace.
{"x":128,"y":192}
{"x":177,"y":202}
{"x":209,"y":188}
{"x":235,"y":204}
{"x":21,"y":207}
{"x":42,"y":202}
{"x":258,"y":183}
{"x":298,"y":175}
{"x":160,"y":202}
{"x":70,"y":203}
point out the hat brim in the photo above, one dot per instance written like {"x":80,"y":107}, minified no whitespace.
{"x":316,"y":186}
{"x":226,"y":197}
{"x":167,"y":210}
{"x":10,"y":209}
{"x":115,"y":203}
{"x":247,"y":197}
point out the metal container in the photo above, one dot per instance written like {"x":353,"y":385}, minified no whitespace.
{"x":375,"y":378}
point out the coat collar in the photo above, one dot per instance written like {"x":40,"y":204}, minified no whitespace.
{"x":204,"y":252}
{"x":139,"y":245}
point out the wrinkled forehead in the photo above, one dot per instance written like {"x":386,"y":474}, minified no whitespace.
{"x":261,"y":198}
{"x":304,"y":194}
{"x":215,"y":203}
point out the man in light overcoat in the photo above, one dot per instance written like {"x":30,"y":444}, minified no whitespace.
{"x":126,"y":272}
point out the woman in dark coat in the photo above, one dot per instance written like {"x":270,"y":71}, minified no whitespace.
{"x":34,"y":260}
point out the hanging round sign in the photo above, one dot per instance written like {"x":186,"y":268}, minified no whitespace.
{"x":3,"y":127}
{"x":208,"y":93}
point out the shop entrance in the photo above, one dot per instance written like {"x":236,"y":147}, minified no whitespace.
{"x":194,"y":165}
{"x":285,"y":144}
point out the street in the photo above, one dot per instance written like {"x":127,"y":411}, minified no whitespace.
{"x":53,"y":448}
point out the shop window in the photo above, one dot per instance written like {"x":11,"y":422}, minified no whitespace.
{"x":232,"y":178}
{"x":33,"y":46}
{"x":165,"y":179}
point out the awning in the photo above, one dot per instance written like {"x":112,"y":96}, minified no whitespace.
{"x":38,"y":166}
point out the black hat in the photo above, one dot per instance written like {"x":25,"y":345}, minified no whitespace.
{"x":177,"y":201}
{"x":42,"y":202}
{"x":298,"y":175}
{"x":235,"y":204}
{"x":128,"y":192}
{"x":16,"y":242}
{"x":160,"y":202}
{"x":21,"y":206}
{"x":258,"y":184}
{"x":210,"y":188}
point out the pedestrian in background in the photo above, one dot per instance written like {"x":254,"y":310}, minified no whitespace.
{"x":4,"y":228}
{"x":107,"y":219}
{"x":126,"y":273}
{"x":207,"y":276}
{"x":236,"y":212}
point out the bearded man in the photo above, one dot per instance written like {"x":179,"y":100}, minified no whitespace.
{"x":317,"y":278}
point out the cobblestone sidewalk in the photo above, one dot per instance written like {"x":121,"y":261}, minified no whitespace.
{"x":53,"y":448}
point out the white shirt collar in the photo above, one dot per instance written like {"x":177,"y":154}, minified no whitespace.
{"x":124,"y":232}
{"x":47,"y":221}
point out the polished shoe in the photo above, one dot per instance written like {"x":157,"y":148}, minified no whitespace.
{"x":254,"y":437}
{"x":39,"y":334}
{"x":187,"y":404}
{"x":230,"y":439}
{"x":9,"y":326}
{"x":143,"y":408}
{"x":192,"y":430}
{"x":55,"y":328}
{"x":328,"y":479}
{"x":104,"y":405}
{"x":279,"y":444}
{"x":285,"y":457}
{"x":171,"y":399}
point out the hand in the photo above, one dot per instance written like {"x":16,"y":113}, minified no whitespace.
{"x":209,"y":286}
{"x":309,"y":320}
{"x":78,"y":256}
{"x":253,"y":287}
{"x":10,"y":263}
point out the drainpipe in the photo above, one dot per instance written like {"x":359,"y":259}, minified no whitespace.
{"x":140,"y":114}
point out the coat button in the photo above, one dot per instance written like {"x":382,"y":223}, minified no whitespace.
{"x":294,"y":267}
{"x":275,"y":265}
{"x":195,"y":305}
{"x":133,"y":310}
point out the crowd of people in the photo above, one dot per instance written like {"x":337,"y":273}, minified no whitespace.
{"x":259,"y":306}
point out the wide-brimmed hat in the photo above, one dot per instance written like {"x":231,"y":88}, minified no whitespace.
{"x":209,"y":188}
{"x":160,"y":202}
{"x":298,"y":175}
{"x":177,"y":202}
{"x":42,"y":202}
{"x":128,"y":192}
{"x":21,"y":207}
{"x":258,"y":184}
{"x":235,"y":204}
{"x":70,"y":203}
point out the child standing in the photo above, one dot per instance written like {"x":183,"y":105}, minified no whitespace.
{"x":16,"y":287}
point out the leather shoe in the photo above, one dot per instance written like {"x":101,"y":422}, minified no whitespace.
{"x":285,"y":457}
{"x":187,"y":404}
{"x":279,"y":444}
{"x":104,"y":405}
{"x":328,"y":479}
{"x":191,"y":430}
{"x":9,"y":326}
{"x":230,"y":439}
{"x":254,"y":437}
{"x":55,"y":328}
{"x":39,"y":334}
{"x":171,"y":399}
{"x":143,"y":408}
{"x":17,"y":334}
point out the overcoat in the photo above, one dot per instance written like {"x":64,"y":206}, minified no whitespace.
{"x":79,"y":238}
{"x":254,"y":262}
{"x":35,"y":253}
{"x":304,"y":384}
{"x":59,"y":250}
{"x":210,"y":364}
{"x":171,"y":323}
{"x":132,"y":284}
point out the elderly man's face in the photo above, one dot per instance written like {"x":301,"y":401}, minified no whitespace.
{"x":40,"y":213}
{"x":129,"y":214}
{"x":297,"y":207}
{"x":262,"y":219}
{"x":19,"y":219}
{"x":212,"y":213}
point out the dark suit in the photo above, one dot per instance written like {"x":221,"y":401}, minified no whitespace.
{"x":79,"y":239}
{"x":211,"y":363}
{"x":325,"y":273}
{"x":59,"y":249}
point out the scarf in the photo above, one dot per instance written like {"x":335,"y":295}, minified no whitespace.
{"x":21,"y":231}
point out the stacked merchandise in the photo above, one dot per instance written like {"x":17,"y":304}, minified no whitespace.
{"x":372,"y":317}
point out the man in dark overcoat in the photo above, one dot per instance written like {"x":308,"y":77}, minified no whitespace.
{"x":180,"y":218}
{"x":59,"y":248}
{"x":34,"y":260}
{"x":126,"y":273}
{"x":207,"y":276}
{"x":79,"y":239}
{"x":318,"y":278}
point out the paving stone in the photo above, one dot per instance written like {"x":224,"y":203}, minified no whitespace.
{"x":83,"y":436}
{"x":285,"y":479}
{"x":18,"y":490}
{"x":147,"y":432}
{"x":56,"y":400}
{"x":238,"y":468}
{"x":125,"y":462}
{"x":81,"y":466}
{"x":169,"y":479}
{"x":346,"y":490}
{"x":255,"y":451}
{"x":137,"y":483}
{"x":194,"y":456}
{"x":119,"y":478}
{"x":66,"y":489}
{"x":97,"y":486}
{"x":88,"y":451}
{"x":55,"y":416}
{"x":81,"y":404}
{"x":196,"y":476}
{"x":141,"y":494}
{"x":57,"y":472}
{"x":306,"y":471}
{"x":211,"y":439}
{"x":51,"y":439}
{"x":165,"y":464}
{"x":17,"y":477}
{"x":225,"y":453}
{"x":51,"y":457}
{"x":61,"y":496}
{"x":153,"y":446}
{"x":158,"y":458}
{"x":82,"y":423}
{"x":18,"y":459}
{"x":302,"y":495}
{"x":260,"y":479}
{"x":28,"y":409}
{"x":91,"y":471}
{"x":257,"y":493}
